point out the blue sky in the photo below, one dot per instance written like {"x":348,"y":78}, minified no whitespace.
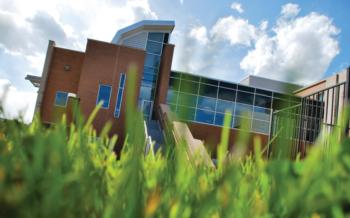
{"x":296,"y":41}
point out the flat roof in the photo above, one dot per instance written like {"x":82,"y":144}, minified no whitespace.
{"x":153,"y":25}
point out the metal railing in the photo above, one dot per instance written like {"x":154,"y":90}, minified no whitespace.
{"x":294,"y":129}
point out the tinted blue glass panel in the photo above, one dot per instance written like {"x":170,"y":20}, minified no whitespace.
{"x":205,"y":116}
{"x":122,"y":80}
{"x":149,"y":79}
{"x":61,"y":99}
{"x":104,"y":94}
{"x":261,"y":126}
{"x":119,"y":102}
{"x":146,"y":108}
{"x":146,"y":92}
{"x":261,"y":113}
{"x":171,"y":97}
{"x":206,"y":103}
{"x":243,"y":110}
{"x":222,"y":106}
{"x":185,"y":113}
{"x":154,"y":47}
{"x":187,"y":100}
{"x":150,"y":70}
{"x":219,"y":119}
{"x":262,"y":101}
{"x":244,"y":97}
{"x":227,"y":94}
{"x":174,"y":84}
{"x":240,"y":122}
{"x":156,"y":37}
{"x":207,"y":90}
{"x":152,"y":60}
{"x":189,"y":87}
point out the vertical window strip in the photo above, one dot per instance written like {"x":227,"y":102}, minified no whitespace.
{"x":120,"y":95}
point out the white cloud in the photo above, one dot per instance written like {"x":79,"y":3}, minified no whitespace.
{"x":200,"y":34}
{"x":235,"y":30}
{"x":290,"y":10}
{"x":300,"y":50}
{"x":16,"y":103}
{"x":26,"y":27}
{"x":237,"y":7}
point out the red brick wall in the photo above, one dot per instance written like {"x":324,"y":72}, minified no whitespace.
{"x":60,"y":80}
{"x":103,"y":64}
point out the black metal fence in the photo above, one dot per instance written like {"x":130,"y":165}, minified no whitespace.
{"x":295,"y":128}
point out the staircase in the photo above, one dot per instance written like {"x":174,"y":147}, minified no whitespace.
{"x":154,"y":133}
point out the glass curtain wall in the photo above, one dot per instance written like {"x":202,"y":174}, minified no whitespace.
{"x":154,"y":49}
{"x":204,"y":100}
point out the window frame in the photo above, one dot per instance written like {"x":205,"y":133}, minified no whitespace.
{"x":98,"y":94}
{"x":66,"y":102}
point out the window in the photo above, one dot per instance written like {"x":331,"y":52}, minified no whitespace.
{"x":171,"y":97}
{"x":189,"y":87}
{"x":152,"y":60}
{"x":243,"y":110}
{"x":219,"y":119}
{"x":146,"y":92}
{"x":206,"y":90}
{"x":206,"y":103}
{"x":262,"y":101}
{"x":261,"y":126}
{"x":61,"y":99}
{"x":156,"y":37}
{"x":227,"y":94}
{"x":185,"y":113}
{"x":154,"y":47}
{"x":209,"y":81}
{"x":104,"y":94}
{"x":187,"y":100}
{"x":204,"y":116}
{"x":120,"y":95}
{"x":223,"y":106}
{"x":261,"y":113}
{"x":244,"y":97}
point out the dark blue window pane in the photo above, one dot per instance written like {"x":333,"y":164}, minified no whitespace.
{"x":227,"y":94}
{"x":171,"y":97}
{"x":154,"y":47}
{"x":246,"y":88}
{"x":244,"y":97}
{"x":146,"y":108}
{"x":209,"y":81}
{"x":185,"y":113}
{"x":261,"y":113}
{"x":156,"y":37}
{"x":187,"y":100}
{"x":223,"y":106}
{"x":122,"y":81}
{"x":193,"y":78}
{"x":146,"y":92}
{"x":150,"y":70}
{"x":61,"y":99}
{"x":119,"y":98}
{"x":175,"y":74}
{"x":261,"y":126}
{"x":262,"y":101}
{"x":228,"y":85}
{"x":189,"y":87}
{"x":206,"y":103}
{"x":149,"y":79}
{"x":219,"y":119}
{"x":152,"y":60}
{"x":104,"y":94}
{"x":243,"y":110}
{"x":207,"y":90}
{"x":174,"y":84}
{"x":205,"y":116}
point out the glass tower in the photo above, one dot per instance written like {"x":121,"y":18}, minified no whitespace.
{"x":154,"y":48}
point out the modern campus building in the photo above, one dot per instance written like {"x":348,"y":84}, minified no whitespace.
{"x":101,"y":73}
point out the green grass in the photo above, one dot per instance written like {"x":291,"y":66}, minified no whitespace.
{"x":68,"y":170}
